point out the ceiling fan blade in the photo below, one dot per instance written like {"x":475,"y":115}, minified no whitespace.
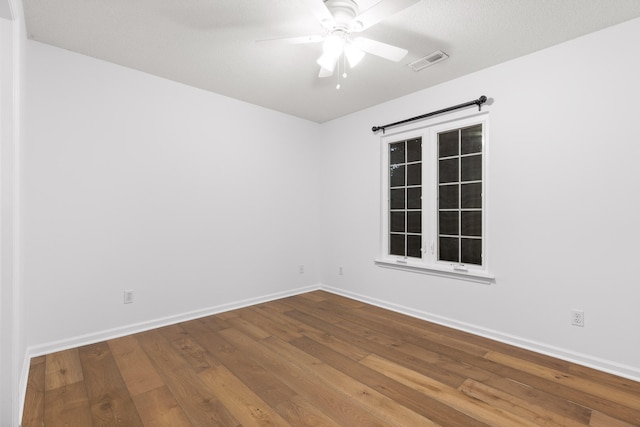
{"x":320,"y":11}
{"x":293,"y":40}
{"x":380,"y":11}
{"x":383,"y":50}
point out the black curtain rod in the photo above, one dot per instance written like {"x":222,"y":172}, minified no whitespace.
{"x":477,"y":102}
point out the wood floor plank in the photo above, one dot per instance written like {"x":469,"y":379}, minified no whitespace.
{"x":599,"y":419}
{"x":377,"y":403}
{"x":420,"y":403}
{"x":274,"y":322}
{"x":241,"y":324}
{"x":198,"y":402}
{"x":299,"y":413}
{"x":62,"y":368}
{"x":561,"y":407}
{"x":590,"y":387}
{"x":522,"y":408}
{"x":198,"y":357}
{"x":67,"y":406}
{"x":243,"y":403}
{"x":388,"y":346}
{"x":319,"y":360}
{"x":264,"y":383}
{"x":316,"y":393}
{"x":159,"y":408}
{"x":451,"y":397}
{"x":135,"y":367}
{"x":109,"y":399}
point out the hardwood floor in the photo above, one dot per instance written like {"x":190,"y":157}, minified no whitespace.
{"x":318,"y":359}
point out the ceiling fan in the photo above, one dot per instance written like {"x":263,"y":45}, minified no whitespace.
{"x":341,"y":19}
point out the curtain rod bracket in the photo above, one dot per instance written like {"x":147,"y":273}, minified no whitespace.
{"x":477,"y":102}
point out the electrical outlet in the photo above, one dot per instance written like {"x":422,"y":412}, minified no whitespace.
{"x":577,"y":318}
{"x":340,"y":271}
{"x":301,"y":269}
{"x":128,"y":297}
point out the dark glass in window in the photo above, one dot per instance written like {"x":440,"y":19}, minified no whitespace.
{"x":448,"y":170}
{"x":471,"y":195}
{"x":414,"y":150}
{"x":448,"y":197}
{"x":414,"y":198}
{"x":396,"y":244}
{"x":448,"y":144}
{"x":396,"y":198}
{"x":471,"y":168}
{"x":472,"y":251}
{"x":396,"y":175}
{"x":414,"y":246}
{"x":448,"y":222}
{"x":414,"y":174}
{"x":448,"y":249}
{"x":396,"y":153}
{"x":471,"y":140}
{"x":471,"y":223}
{"x":414,"y":222}
{"x":397,"y":222}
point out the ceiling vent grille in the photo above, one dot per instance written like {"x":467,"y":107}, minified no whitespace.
{"x":429,"y":60}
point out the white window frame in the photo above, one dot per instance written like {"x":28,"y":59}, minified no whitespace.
{"x":429,"y":263}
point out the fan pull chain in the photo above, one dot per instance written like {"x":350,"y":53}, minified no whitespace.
{"x":344,"y":70}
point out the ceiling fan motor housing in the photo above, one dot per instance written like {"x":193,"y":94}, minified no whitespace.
{"x":343,"y":12}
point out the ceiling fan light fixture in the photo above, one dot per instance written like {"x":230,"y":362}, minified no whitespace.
{"x":333,"y":44}
{"x":328,"y":61}
{"x":353,"y":54}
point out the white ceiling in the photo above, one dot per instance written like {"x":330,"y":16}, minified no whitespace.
{"x":210,"y":44}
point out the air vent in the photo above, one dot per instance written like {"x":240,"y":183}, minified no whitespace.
{"x":428,"y":60}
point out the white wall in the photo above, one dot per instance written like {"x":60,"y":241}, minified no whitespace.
{"x":563,"y":203}
{"x":191,"y":199}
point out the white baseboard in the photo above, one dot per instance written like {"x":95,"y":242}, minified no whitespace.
{"x":23,"y":380}
{"x":630,"y":372}
{"x":108,"y":334}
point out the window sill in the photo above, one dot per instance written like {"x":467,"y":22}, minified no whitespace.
{"x":437,"y":270}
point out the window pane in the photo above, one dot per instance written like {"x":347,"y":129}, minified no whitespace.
{"x":471,"y":223}
{"x":414,"y":198}
{"x":448,"y":144}
{"x":396,"y":153}
{"x":448,"y":170}
{"x":414,"y":246}
{"x":396,"y":175}
{"x":414,"y":174}
{"x":396,"y":244}
{"x":448,"y":223}
{"x":471,"y":139}
{"x":414,"y":150}
{"x":448,"y":197}
{"x":449,"y":249}
{"x":397,"y":222}
{"x":471,"y":168}
{"x":414,"y":222}
{"x":472,"y":195}
{"x":472,"y":251}
{"x":396,"y":199}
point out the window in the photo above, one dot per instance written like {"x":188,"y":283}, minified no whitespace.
{"x":405,"y":194}
{"x":460,"y":195}
{"x":433,"y":199}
